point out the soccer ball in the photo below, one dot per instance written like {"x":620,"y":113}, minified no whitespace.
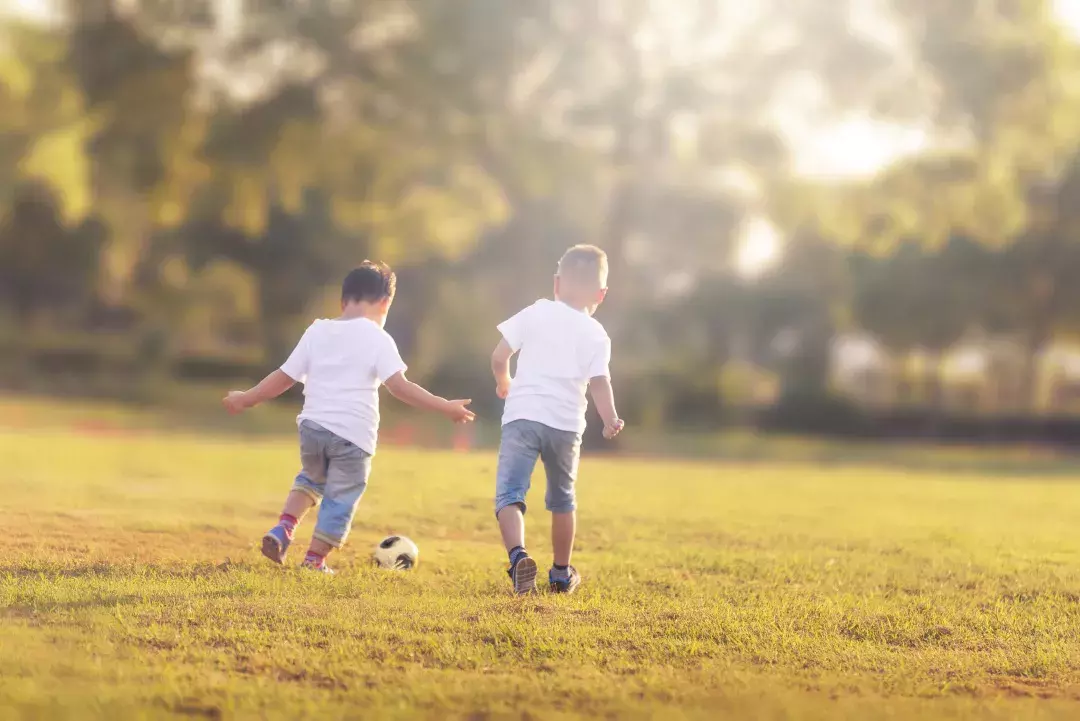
{"x":396,"y":553}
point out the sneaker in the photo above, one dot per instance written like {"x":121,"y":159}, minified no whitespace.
{"x":523,"y":574}
{"x":309,"y":566}
{"x":564,"y":584}
{"x":275,"y":544}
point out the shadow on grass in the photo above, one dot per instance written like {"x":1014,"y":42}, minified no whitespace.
{"x":34,"y":610}
{"x":122,"y":570}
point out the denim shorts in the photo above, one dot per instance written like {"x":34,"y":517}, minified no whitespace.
{"x":523,"y":442}
{"x":334,"y":471}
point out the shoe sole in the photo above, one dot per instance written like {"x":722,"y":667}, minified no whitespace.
{"x":272,"y":549}
{"x":525,"y":576}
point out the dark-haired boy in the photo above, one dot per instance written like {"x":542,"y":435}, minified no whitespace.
{"x":342,"y":363}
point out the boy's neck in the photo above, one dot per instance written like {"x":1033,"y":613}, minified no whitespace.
{"x":371,"y":311}
{"x":586,"y":308}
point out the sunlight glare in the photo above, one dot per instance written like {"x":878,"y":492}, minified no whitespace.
{"x":1068,"y":13}
{"x":758,"y":247}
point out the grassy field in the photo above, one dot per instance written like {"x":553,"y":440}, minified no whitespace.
{"x":130,"y":587}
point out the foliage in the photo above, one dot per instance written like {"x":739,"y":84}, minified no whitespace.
{"x":191,"y":179}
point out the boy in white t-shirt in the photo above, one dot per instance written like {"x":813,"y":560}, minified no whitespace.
{"x":342,"y":363}
{"x":564,"y":352}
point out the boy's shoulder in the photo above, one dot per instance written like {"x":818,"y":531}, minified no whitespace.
{"x":565,"y":315}
{"x":595,"y":327}
{"x":538,"y":309}
{"x":541,"y":305}
{"x":337,"y":328}
{"x":549,"y":314}
{"x":587,"y":322}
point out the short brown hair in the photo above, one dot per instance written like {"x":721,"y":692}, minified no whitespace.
{"x":584,"y":264}
{"x":372,"y":282}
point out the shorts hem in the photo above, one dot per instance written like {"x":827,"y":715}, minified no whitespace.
{"x":500,"y":506}
{"x":307,"y":491}
{"x":336,"y":543}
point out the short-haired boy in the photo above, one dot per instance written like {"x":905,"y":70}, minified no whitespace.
{"x":564,"y":352}
{"x":342,"y":363}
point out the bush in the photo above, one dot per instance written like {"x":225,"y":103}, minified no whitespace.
{"x":815,"y":412}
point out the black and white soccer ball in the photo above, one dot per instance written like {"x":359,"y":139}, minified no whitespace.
{"x":397,"y":553}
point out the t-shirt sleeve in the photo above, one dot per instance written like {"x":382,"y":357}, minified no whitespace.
{"x":600,"y":365}
{"x":388,"y":362}
{"x":513,"y":329}
{"x":296,"y":366}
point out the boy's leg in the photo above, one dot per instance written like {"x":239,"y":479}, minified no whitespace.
{"x":512,"y":526}
{"x":297,"y":504}
{"x":346,"y":481}
{"x":561,"y":453}
{"x":518,"y":451}
{"x":316,"y":555}
{"x":305,"y":493}
{"x":563,"y":530}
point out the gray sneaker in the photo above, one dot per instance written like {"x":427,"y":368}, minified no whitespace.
{"x":564,"y":584}
{"x":309,"y":566}
{"x":523,"y":574}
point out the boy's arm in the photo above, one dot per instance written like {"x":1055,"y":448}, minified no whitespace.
{"x":268,"y":388}
{"x":513,"y":331}
{"x":408,"y":392}
{"x":500,"y":368}
{"x":600,"y":387}
{"x":273,"y":385}
{"x":604,"y":397}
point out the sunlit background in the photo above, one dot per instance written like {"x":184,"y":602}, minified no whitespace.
{"x":859,"y":210}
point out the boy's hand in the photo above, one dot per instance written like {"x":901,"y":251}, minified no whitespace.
{"x":268,"y":388}
{"x":613,"y":429}
{"x":458,"y":411}
{"x":235,"y":402}
{"x":502,"y":388}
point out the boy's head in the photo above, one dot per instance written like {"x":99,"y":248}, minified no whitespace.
{"x":371,"y":286}
{"x":581,"y":280}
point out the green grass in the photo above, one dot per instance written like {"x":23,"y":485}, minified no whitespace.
{"x":130,"y":586}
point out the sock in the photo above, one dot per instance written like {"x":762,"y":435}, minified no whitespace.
{"x":517,"y":552}
{"x":315,"y":559}
{"x":289,"y":523}
{"x":561,"y":571}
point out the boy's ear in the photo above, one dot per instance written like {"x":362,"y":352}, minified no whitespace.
{"x":602,"y":295}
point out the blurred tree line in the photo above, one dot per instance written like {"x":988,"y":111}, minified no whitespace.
{"x":182,"y":185}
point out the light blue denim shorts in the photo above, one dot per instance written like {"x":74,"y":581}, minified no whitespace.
{"x":523,"y":442}
{"x":334,"y":473}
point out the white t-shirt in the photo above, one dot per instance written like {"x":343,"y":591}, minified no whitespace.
{"x":342,"y":363}
{"x":561,"y":350}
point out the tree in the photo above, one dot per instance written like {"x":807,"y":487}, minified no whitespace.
{"x":1035,"y":294}
{"x":915,"y":299}
{"x":44,"y":126}
{"x":46,"y":267}
{"x":315,"y":171}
